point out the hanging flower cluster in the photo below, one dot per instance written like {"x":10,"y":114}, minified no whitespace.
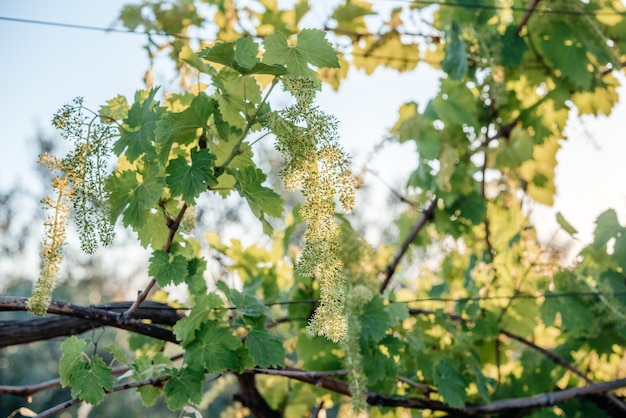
{"x":316,"y":165}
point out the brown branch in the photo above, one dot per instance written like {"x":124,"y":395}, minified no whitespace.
{"x":27,"y":391}
{"x":153,"y":381}
{"x":82,"y":318}
{"x":427,"y":215}
{"x":173,"y":227}
{"x":251,"y":398}
{"x":555,"y":358}
{"x":552,"y":356}
{"x":373,"y":398}
{"x":527,"y":14}
{"x":545,"y":399}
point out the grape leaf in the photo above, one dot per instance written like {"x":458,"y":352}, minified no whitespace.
{"x":187,"y":55}
{"x":241,"y":57}
{"x":472,"y":207}
{"x":134,"y":196}
{"x":118,"y":354}
{"x":195,"y":276}
{"x":237,"y":96}
{"x":375,"y":319}
{"x":191,"y":180}
{"x":185,"y":385}
{"x":456,"y":105}
{"x":311,"y":48}
{"x":149,"y":394}
{"x":619,"y":249}
{"x":514,"y":46}
{"x":266,"y":349}
{"x":72,"y":355}
{"x":91,"y":380}
{"x":563,"y":49}
{"x":450,"y":383}
{"x":350,"y":17}
{"x":138,"y":133}
{"x":167,"y":268}
{"x":262,"y":200}
{"x":154,"y":232}
{"x":116,"y":108}
{"x":186,"y":327}
{"x":183,"y":127}
{"x":246,"y":51}
{"x":214,"y":348}
{"x":565,"y":225}
{"x":455,"y":63}
{"x":247,"y":305}
{"x":607,"y":226}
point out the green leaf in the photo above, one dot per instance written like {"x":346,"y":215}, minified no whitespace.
{"x":262,"y":200}
{"x":246,"y":304}
{"x":455,"y":62}
{"x":187,"y":55}
{"x":456,"y":104}
{"x":397,"y":311}
{"x":514,"y":46}
{"x":138,"y":133}
{"x":565,"y":225}
{"x":619,"y":249}
{"x":450,"y":383}
{"x":135,"y":195}
{"x":72,"y":355}
{"x":375,"y":320}
{"x":184,"y":127}
{"x":167,"y":268}
{"x":561,"y":46}
{"x":266,"y":349}
{"x":518,"y":149}
{"x":154,"y":231}
{"x":607,"y":226}
{"x":91,"y":380}
{"x":188,"y":180}
{"x":195,"y":276}
{"x":185,"y":328}
{"x":116,"y":108}
{"x":225,"y":54}
{"x":184,"y":386}
{"x":311,"y":48}
{"x":118,"y":354}
{"x":149,"y":394}
{"x":214,"y":349}
{"x":472,"y":207}
{"x":246,"y":51}
{"x":237,"y":96}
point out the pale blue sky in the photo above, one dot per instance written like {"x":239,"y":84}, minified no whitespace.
{"x":44,"y":67}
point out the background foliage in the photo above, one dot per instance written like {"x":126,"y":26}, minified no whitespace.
{"x":463,"y":312}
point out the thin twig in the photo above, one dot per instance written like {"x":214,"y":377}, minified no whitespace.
{"x":527,"y":14}
{"x":425,"y":389}
{"x":154,"y":381}
{"x":173,"y":228}
{"x":427,"y":215}
{"x":545,"y":399}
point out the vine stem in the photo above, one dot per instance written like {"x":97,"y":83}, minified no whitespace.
{"x":251,"y":121}
{"x":168,"y":245}
{"x":527,"y":14}
{"x":218,"y":171}
{"x":427,"y":215}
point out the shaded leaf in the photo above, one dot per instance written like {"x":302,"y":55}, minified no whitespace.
{"x":265,"y":348}
{"x":167,"y":268}
{"x":189,"y":180}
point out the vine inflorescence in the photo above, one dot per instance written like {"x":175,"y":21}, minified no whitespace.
{"x":315,"y":164}
{"x":79,"y":186}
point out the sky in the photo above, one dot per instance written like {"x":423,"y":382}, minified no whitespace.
{"x":45,"y":67}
